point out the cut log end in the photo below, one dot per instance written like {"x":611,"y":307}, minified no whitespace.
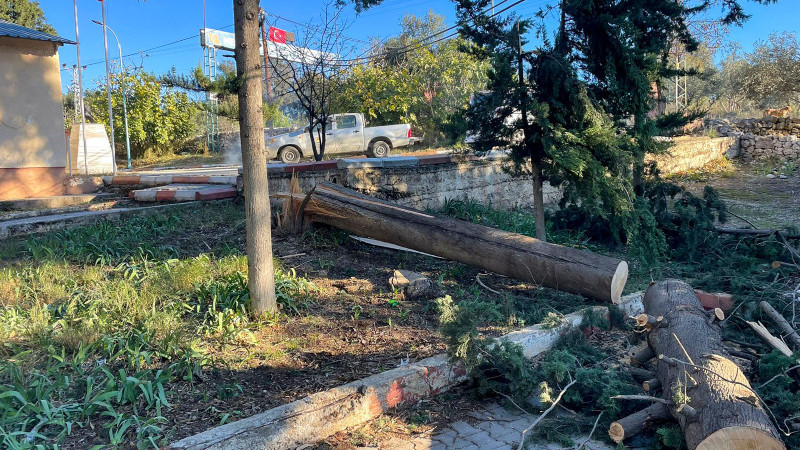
{"x":618,"y":282}
{"x":741,"y":438}
{"x":616,"y":432}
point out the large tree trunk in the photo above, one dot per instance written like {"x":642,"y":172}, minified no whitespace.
{"x":509,"y":254}
{"x":254,"y":159}
{"x":706,"y":392}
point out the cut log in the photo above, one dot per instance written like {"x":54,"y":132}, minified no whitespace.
{"x":638,"y":422}
{"x":640,"y":374}
{"x":711,"y":398}
{"x":641,"y":355}
{"x":788,"y":333}
{"x":513,"y":255}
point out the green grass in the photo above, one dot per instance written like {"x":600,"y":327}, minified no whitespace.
{"x":97,"y":323}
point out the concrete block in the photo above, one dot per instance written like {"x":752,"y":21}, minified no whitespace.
{"x":190,"y":179}
{"x":273,"y":169}
{"x":434,"y":159}
{"x":464,"y":429}
{"x":400,"y":161}
{"x":42,"y":224}
{"x":216,"y":193}
{"x":223,"y":179}
{"x":359,"y":163}
{"x":122,"y":180}
{"x":322,"y":414}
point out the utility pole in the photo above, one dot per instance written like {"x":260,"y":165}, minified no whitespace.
{"x":260,"y":276}
{"x":108,"y":89}
{"x":80,"y":89}
{"x":124,"y":94}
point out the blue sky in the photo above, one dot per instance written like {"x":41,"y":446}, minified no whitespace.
{"x":143,"y":25}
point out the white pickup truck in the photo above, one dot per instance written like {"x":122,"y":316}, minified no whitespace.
{"x":345,"y":133}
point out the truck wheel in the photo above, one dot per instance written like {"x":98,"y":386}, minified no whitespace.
{"x":380,"y":149}
{"x":289,"y":155}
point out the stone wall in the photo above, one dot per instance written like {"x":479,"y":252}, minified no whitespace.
{"x":781,"y":147}
{"x":767,"y":126}
{"x":426,"y":186}
{"x":691,"y":153}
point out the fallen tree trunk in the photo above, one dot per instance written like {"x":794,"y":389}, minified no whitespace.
{"x":501,"y":252}
{"x":708,"y":394}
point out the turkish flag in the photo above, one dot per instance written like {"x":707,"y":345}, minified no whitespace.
{"x":277,"y":35}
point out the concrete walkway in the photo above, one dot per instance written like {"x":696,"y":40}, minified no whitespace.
{"x":491,"y":428}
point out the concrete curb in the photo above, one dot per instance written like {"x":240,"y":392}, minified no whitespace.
{"x":323,"y":414}
{"x":43,"y":224}
{"x":161,"y":180}
{"x":183,"y":193}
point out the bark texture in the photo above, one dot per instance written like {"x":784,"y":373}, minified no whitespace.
{"x":254,"y":156}
{"x":711,"y":398}
{"x":509,"y":254}
{"x":638,"y":421}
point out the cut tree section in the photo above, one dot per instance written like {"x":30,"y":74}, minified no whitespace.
{"x":709,"y":396}
{"x":510,"y":254}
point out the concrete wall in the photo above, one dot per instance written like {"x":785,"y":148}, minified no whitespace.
{"x":691,"y":153}
{"x":427,"y":186}
{"x":32,"y":141}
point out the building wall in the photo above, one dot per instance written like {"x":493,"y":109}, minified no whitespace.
{"x":32,"y":144}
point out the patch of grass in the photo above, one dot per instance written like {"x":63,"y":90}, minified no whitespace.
{"x":97,"y":325}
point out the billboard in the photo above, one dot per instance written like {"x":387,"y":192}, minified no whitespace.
{"x":224,"y":40}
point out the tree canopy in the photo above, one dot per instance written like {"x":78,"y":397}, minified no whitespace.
{"x":26,"y":13}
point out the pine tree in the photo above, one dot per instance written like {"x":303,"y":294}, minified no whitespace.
{"x":575,"y":111}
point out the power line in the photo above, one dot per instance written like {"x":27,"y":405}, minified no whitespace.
{"x":312,"y":27}
{"x":194,"y":36}
{"x":421,"y":42}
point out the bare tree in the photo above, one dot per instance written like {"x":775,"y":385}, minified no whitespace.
{"x":254,"y":158}
{"x":314,"y":79}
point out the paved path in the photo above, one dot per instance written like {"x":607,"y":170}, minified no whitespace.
{"x":492,"y":428}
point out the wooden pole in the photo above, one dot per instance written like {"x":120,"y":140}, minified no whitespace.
{"x":254,"y":159}
{"x":521,"y":257}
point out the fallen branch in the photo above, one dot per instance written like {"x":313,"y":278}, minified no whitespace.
{"x":787,"y":332}
{"x":785,"y":372}
{"x":478,"y":279}
{"x":589,"y":438}
{"x":767,"y":337}
{"x":544,"y":414}
{"x":754,"y":232}
{"x":642,"y":397}
{"x":635,"y":423}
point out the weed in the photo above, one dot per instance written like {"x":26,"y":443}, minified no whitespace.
{"x":356,"y":311}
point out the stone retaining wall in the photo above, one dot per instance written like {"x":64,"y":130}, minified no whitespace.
{"x":687,"y":154}
{"x":767,"y":126}
{"x":780,"y":147}
{"x":423,"y":186}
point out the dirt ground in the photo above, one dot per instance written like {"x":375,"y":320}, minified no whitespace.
{"x":768,"y":202}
